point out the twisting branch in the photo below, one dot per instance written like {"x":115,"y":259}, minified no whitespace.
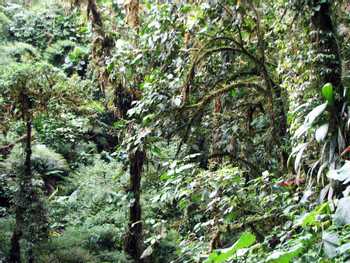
{"x":238,"y":49}
{"x":205,"y":100}
{"x":190,"y":76}
{"x":240,"y":74}
{"x":200,"y":106}
{"x":92,"y":9}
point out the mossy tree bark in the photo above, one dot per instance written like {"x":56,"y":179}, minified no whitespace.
{"x":133,"y":244}
{"x":134,"y":239}
{"x":24,"y":182}
{"x":328,"y":66}
{"x":328,"y":61}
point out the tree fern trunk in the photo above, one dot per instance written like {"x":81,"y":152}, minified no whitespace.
{"x":15,"y":252}
{"x":133,"y":245}
{"x":134,"y":240}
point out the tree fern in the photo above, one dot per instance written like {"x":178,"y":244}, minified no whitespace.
{"x":17,"y":52}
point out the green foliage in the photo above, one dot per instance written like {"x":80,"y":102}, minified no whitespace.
{"x":41,"y":84}
{"x":7,"y":190}
{"x":165,"y":248}
{"x":17,"y":52}
{"x":213,"y":93}
{"x":28,"y":197}
{"x":285,"y":256}
{"x":311,"y":218}
{"x":70,"y":255}
{"x":328,"y":132}
{"x":328,"y":93}
{"x":93,"y":212}
{"x":77,"y":61}
{"x":47,"y":162}
{"x":57,"y":52}
{"x":4,"y":26}
{"x":6,"y":228}
{"x":245,"y":240}
{"x":207,"y":202}
{"x":64,"y":136}
{"x":29,"y":26}
{"x":78,"y":244}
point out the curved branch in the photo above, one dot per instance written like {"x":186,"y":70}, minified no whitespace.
{"x":207,"y":99}
{"x":190,"y":76}
{"x":241,"y":49}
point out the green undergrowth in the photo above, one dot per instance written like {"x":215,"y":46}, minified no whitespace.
{"x":89,"y":219}
{"x":192,"y":215}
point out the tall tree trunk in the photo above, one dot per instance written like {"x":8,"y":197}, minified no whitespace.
{"x":133,"y":244}
{"x":280,"y":126}
{"x":277,"y":113}
{"x":216,"y":131}
{"x":15,"y":252}
{"x":134,"y":240}
{"x":95,"y":15}
{"x":28,"y":172}
{"x":328,"y":65}
{"x":328,"y":61}
{"x":102,"y":45}
{"x":132,"y":13}
{"x":328,"y":69}
{"x":24,"y":200}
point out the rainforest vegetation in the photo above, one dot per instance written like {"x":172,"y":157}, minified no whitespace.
{"x":168,"y":131}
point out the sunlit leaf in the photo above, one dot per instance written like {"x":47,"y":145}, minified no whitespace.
{"x":299,"y":157}
{"x":342,"y":174}
{"x":222,"y":255}
{"x":343,"y":248}
{"x":310,"y":218}
{"x":147,"y":252}
{"x":316,"y":112}
{"x":330,"y":244}
{"x":328,"y":94}
{"x":321,"y":132}
{"x":285,"y":256}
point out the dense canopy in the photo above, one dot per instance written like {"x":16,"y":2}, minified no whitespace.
{"x":174,"y":131}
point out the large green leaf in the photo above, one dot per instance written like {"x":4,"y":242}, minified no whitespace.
{"x":222,"y":255}
{"x":328,"y":94}
{"x":285,"y":256}
{"x":310,"y":218}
